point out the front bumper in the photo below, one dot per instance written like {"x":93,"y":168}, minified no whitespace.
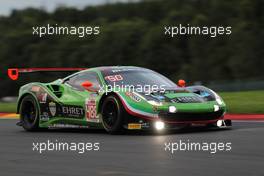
{"x":181,"y":119}
{"x":190,"y":117}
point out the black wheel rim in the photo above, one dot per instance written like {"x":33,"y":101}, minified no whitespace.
{"x":28,"y":112}
{"x":110,"y":114}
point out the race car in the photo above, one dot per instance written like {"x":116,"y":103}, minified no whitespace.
{"x":118,"y":98}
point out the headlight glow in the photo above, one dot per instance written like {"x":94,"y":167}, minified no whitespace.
{"x":172,"y":109}
{"x":219,"y":123}
{"x":159,"y":125}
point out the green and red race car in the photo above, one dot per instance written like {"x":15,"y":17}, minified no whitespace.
{"x":117,"y":98}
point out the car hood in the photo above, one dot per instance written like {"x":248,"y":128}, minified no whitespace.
{"x":179,"y":95}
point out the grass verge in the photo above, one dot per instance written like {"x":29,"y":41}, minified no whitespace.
{"x":248,"y":102}
{"x":8,"y":107}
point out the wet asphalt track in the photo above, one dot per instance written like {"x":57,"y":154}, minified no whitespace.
{"x":132,"y":154}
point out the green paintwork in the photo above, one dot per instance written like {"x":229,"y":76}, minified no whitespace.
{"x":74,"y":97}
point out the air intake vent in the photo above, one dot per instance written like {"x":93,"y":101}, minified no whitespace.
{"x":56,"y":90}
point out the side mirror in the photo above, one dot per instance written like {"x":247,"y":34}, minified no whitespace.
{"x":181,"y":83}
{"x":87,"y":85}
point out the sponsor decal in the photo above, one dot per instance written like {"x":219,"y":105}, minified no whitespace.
{"x":40,"y":93}
{"x":44,"y":116}
{"x":52,"y":108}
{"x":134,"y":126}
{"x":73,"y":111}
{"x":185,"y":100}
{"x":35,"y":88}
{"x":114,"y":78}
{"x":90,"y":107}
{"x":42,"y":97}
{"x":67,"y":126}
{"x":133,"y":96}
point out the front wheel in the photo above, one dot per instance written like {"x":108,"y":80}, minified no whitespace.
{"x":113,"y":115}
{"x":29,"y":114}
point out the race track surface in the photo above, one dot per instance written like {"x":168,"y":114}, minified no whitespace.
{"x":133,"y":154}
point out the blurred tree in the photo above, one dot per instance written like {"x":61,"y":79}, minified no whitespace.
{"x":133,"y":34}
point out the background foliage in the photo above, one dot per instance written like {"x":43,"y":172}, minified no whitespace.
{"x":133,"y":34}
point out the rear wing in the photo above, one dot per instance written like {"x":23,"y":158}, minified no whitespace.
{"x":13,"y":73}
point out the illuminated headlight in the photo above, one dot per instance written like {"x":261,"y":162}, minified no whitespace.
{"x":219,"y":123}
{"x":159,"y":125}
{"x":172,"y":109}
{"x":155,"y":103}
{"x":216,"y":108}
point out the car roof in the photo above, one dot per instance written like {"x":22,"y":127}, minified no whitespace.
{"x":110,"y":68}
{"x":107,"y":69}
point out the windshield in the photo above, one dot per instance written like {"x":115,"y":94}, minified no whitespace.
{"x":136,"y":77}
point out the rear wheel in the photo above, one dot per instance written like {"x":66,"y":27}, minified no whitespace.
{"x":29,"y":113}
{"x":113,"y":115}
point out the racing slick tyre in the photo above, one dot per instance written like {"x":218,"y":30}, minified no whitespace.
{"x":113,"y":115}
{"x":29,"y":113}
